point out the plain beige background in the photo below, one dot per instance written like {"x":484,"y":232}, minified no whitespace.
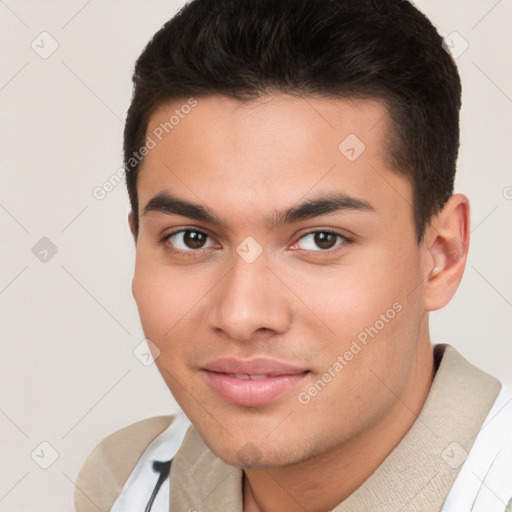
{"x":69,"y":324}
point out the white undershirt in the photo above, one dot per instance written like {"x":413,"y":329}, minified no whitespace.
{"x":138,"y":488}
{"x":484,"y":483}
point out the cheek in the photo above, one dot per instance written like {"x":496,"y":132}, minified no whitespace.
{"x":164,"y":297}
{"x":165,"y":300}
{"x":372,"y":303}
{"x":373,"y":329}
{"x":344,"y":300}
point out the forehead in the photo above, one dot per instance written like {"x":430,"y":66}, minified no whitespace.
{"x":273,"y":151}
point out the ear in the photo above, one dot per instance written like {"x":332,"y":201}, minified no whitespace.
{"x":133,"y":226}
{"x":446,"y":245}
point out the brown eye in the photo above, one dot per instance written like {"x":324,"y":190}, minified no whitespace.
{"x":325,"y":240}
{"x":188,"y":240}
{"x":321,"y":241}
{"x":194,"y":239}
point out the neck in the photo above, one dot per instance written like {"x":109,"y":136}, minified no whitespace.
{"x":321,"y":483}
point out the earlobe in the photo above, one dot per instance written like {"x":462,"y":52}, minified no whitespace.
{"x":448,"y":248}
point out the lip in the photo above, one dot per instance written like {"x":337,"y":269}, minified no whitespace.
{"x":260,"y":381}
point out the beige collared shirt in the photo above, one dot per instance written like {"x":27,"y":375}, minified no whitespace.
{"x":416,"y":476}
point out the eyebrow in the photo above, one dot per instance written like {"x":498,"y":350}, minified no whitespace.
{"x":166,"y":203}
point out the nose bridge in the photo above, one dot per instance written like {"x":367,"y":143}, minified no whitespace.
{"x":249,"y":299}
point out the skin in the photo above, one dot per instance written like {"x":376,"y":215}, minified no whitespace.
{"x":297,"y":302}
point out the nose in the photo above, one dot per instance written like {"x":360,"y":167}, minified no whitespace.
{"x":249,"y":300}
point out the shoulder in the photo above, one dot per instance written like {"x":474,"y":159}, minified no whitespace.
{"x":110,"y":463}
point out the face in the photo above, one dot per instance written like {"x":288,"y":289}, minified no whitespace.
{"x":278,"y":272}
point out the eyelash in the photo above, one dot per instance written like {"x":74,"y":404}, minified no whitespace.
{"x":195,"y":253}
{"x":183,"y":254}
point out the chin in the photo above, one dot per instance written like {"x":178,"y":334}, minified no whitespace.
{"x":253,"y":452}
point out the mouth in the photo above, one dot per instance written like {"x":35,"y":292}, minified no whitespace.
{"x":253,"y":382}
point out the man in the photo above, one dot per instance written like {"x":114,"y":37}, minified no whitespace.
{"x":290,"y":168}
